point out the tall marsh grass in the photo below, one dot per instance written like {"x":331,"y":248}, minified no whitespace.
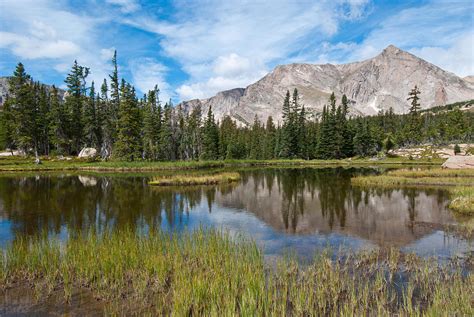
{"x":207,"y":272}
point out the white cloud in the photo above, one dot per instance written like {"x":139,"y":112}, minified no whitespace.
{"x":126,"y":6}
{"x":436,"y":32}
{"x":222,"y":45}
{"x":458,"y":58}
{"x":146,"y":73}
{"x":230,"y":71}
{"x":30,"y":47}
{"x":46,"y":32}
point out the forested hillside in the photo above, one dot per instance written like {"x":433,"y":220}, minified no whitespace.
{"x":113,"y":119}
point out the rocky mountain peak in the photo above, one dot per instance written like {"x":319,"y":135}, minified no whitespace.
{"x":371,"y":85}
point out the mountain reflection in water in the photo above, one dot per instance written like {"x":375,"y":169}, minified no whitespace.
{"x":283,"y":209}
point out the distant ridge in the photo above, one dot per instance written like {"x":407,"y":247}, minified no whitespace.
{"x":371,"y":85}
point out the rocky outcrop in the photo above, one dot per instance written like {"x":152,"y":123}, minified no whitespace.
{"x":371,"y":85}
{"x":5,"y":90}
{"x":459,"y":161}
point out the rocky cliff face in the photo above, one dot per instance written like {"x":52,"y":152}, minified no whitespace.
{"x":5,"y":91}
{"x":371,"y":85}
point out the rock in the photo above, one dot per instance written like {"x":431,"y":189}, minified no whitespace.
{"x":37,"y":161}
{"x":459,"y":161}
{"x":371,"y":85}
{"x":87,"y":152}
{"x":88,"y":180}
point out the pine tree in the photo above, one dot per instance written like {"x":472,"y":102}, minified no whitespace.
{"x":210,"y":138}
{"x":42,"y":119}
{"x":89,"y":118}
{"x":58,"y":123}
{"x":7,"y":123}
{"x":166,"y":134}
{"x":128,"y":144}
{"x":24,"y":110}
{"x":347,"y":135}
{"x":114,"y":94}
{"x":256,"y":140}
{"x":270,"y":139}
{"x":75,"y":82}
{"x":414,"y":125}
{"x":151,"y":126}
{"x":363,"y":142}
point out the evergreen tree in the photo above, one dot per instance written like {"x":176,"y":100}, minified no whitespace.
{"x":414,"y":124}
{"x":42,"y":119}
{"x":210,"y":138}
{"x":363,"y":142}
{"x":270,"y":140}
{"x":7,"y":122}
{"x":24,"y":110}
{"x":166,"y":134}
{"x":151,"y":126}
{"x":128,"y":144}
{"x":76,"y":81}
{"x":58,"y":123}
{"x":90,"y":120}
{"x":347,"y":135}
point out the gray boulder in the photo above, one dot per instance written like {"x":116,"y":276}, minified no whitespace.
{"x":87,"y":152}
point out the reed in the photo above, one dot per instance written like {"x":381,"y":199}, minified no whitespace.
{"x":190,"y":180}
{"x":208,"y":272}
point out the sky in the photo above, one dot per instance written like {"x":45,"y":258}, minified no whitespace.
{"x":194,"y":49}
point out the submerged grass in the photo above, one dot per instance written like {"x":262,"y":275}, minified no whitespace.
{"x":189,"y":180}
{"x":207,"y":272}
{"x":460,"y":183}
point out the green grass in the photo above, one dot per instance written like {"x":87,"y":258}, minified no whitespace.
{"x":207,"y":272}
{"x":189,"y":180}
{"x":49,"y":164}
{"x":460,"y":183}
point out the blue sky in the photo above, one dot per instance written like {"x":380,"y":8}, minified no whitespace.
{"x":193,"y":49}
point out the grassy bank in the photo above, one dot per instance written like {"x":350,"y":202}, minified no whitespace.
{"x":51,"y":164}
{"x":209,"y":273}
{"x":460,"y":183}
{"x":190,"y":180}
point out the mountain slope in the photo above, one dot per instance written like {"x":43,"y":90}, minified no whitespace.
{"x":371,"y":85}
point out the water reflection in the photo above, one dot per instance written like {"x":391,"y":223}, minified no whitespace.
{"x":297,"y":209}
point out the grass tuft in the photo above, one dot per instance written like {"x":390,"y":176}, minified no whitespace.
{"x":190,"y":180}
{"x":459,"y":182}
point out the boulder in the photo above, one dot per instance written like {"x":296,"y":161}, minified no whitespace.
{"x":87,"y":152}
{"x":459,"y":161}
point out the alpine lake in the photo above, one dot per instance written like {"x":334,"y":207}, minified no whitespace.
{"x":297,"y":212}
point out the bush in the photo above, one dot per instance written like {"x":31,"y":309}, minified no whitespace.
{"x":457,"y":149}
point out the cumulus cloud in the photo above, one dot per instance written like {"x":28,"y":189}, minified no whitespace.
{"x":222,"y":45}
{"x":46,"y":32}
{"x":146,"y":73}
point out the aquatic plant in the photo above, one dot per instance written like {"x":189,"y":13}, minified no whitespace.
{"x":208,"y":272}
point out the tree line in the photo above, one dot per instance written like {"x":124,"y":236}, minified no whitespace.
{"x":113,"y":120}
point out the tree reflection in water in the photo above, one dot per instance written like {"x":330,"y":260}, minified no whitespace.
{"x":295,"y":201}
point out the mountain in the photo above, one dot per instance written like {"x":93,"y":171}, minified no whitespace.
{"x":371,"y":85}
{"x":5,"y":91}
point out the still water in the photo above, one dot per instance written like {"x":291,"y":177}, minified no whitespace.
{"x":299,"y":211}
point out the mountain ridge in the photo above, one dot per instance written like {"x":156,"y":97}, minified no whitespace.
{"x":371,"y":85}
